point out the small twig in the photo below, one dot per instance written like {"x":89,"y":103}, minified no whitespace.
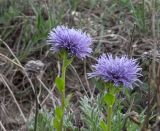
{"x":158,"y":91}
{"x":79,"y":79}
{"x":54,"y":85}
{"x":92,"y":57}
{"x":2,"y":126}
{"x":146,"y":120}
{"x":85,"y":75}
{"x":5,"y":83}
{"x":11,"y":61}
{"x":10,"y":51}
{"x":110,"y":35}
{"x":48,"y":95}
{"x":36,"y":114}
{"x":126,"y":117}
{"x":154,"y":39}
{"x":130,"y":43}
{"x":18,"y":63}
{"x":49,"y":92}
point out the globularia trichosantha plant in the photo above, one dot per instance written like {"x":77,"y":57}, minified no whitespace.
{"x":116,"y":73}
{"x":69,"y":43}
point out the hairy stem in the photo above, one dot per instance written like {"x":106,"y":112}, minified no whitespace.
{"x":64,"y":67}
{"x":109,"y":118}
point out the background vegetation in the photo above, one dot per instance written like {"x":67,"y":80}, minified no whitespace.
{"x":117,"y":26}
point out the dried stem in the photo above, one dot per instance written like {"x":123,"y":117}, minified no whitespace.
{"x":154,"y":39}
{"x":146,"y":120}
{"x":85,"y":74}
{"x":2,"y":127}
{"x":53,"y":87}
{"x":130,"y":43}
{"x":79,"y":79}
{"x":5,"y":83}
{"x":158,"y":91}
{"x":18,"y":63}
{"x":49,"y":93}
{"x":36,"y":113}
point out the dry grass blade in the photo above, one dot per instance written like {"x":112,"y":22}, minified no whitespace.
{"x":18,"y":63}
{"x":79,"y":79}
{"x":2,"y":126}
{"x":85,"y":74}
{"x":5,"y":83}
{"x":49,"y":93}
{"x":53,"y":87}
{"x":10,"y":51}
{"x":5,"y":57}
{"x":154,"y":39}
{"x":158,"y":91}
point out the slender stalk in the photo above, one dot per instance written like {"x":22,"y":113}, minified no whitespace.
{"x":63,"y":77}
{"x":63,"y":93}
{"x":110,"y":100}
{"x":36,"y":114}
{"x":109,"y":118}
{"x":143,"y":15}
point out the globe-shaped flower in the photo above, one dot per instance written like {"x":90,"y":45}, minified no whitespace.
{"x":118,"y":70}
{"x":75,"y":42}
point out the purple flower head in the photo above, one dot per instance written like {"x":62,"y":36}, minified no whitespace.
{"x":74,"y":41}
{"x":120,"y":71}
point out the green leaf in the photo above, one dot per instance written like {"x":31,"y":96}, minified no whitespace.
{"x":60,"y":84}
{"x":109,"y":99}
{"x":103,"y":125}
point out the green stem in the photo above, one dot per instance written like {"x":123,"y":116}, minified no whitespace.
{"x":109,"y":118}
{"x":63,"y":77}
{"x":63,"y":93}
